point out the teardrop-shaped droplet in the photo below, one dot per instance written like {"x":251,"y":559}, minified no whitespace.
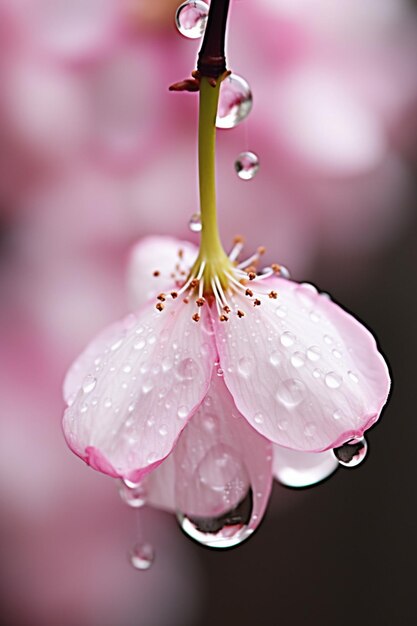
{"x":191,"y":18}
{"x":352,"y":453}
{"x":247,"y":165}
{"x":194,"y":223}
{"x":133,"y":494}
{"x":218,"y":499}
{"x":235,"y":102}
{"x":142,"y":556}
{"x":222,"y":531}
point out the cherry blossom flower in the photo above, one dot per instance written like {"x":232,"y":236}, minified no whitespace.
{"x":205,"y":410}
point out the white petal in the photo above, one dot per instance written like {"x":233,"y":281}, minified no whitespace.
{"x":162,"y":254}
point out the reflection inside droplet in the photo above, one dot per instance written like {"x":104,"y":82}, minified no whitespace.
{"x":247,"y":165}
{"x":191,"y":19}
{"x":352,"y":453}
{"x":223,"y":531}
{"x":142,"y":556}
{"x":235,"y":102}
{"x":194,"y":223}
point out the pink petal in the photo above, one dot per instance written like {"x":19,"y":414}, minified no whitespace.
{"x":218,"y":463}
{"x":135,"y":387}
{"x":304,"y":372}
{"x":156,"y":254}
{"x":302,"y":469}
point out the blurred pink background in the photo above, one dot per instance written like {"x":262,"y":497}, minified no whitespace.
{"x":96,"y":153}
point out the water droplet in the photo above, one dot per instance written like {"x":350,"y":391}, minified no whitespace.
{"x":275,"y":359}
{"x":258,"y":418}
{"x":352,"y":453}
{"x":245,"y":366}
{"x":333,"y":380}
{"x":315,"y":317}
{"x":327,"y":340}
{"x":127,"y":368}
{"x":140,"y":344}
{"x":133,"y":494}
{"x":182,"y":412}
{"x":287,"y":339}
{"x":166,"y":364}
{"x":235,"y":102}
{"x":89,"y":383}
{"x":310,"y":429}
{"x":116,"y":345}
{"x":107,"y":403}
{"x":283,"y":424}
{"x":191,"y":19}
{"x":147,"y":386}
{"x":281,"y":310}
{"x":297,"y":359}
{"x":210,"y":423}
{"x":142,"y":556}
{"x":313,"y":353}
{"x":247,"y":165}
{"x":316,"y":373}
{"x":186,"y":369}
{"x":338,"y":414}
{"x":220,"y":372}
{"x":353,"y":377}
{"x":291,"y":392}
{"x":84,"y":407}
{"x":194,"y":223}
{"x":336,"y":354}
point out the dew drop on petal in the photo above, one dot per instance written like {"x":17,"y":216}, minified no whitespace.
{"x":333,"y":380}
{"x":291,"y":392}
{"x":194,"y":223}
{"x":353,"y":377}
{"x":258,"y":418}
{"x":142,"y":556}
{"x":287,"y":339}
{"x":297,"y":359}
{"x":182,"y":412}
{"x":89,"y":383}
{"x":247,"y":165}
{"x":313,"y":353}
{"x":235,"y":102}
{"x":352,"y":453}
{"x":191,"y":19}
{"x":186,"y":369}
{"x":245,"y":366}
{"x":275,"y":359}
{"x":133,"y":494}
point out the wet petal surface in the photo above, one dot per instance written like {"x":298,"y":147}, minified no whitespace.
{"x":304,"y":372}
{"x":132,"y":391}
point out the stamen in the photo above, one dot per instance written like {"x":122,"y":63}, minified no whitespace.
{"x":223,"y":318}
{"x":156,"y":273}
{"x":256,"y":302}
{"x":252,"y":275}
{"x":273,"y":295}
{"x":200,"y":302}
{"x":174,"y":295}
{"x":240,"y":313}
{"x":159,"y":306}
{"x":237,"y":248}
{"x":196,"y":317}
{"x":221,"y":292}
{"x":161,"y":297}
{"x":249,"y":293}
{"x":216,"y":297}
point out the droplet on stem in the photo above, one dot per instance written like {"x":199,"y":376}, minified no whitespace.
{"x":235,"y":102}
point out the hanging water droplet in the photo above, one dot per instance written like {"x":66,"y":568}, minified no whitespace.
{"x":223,"y":531}
{"x":133,"y":494}
{"x":352,"y":453}
{"x":235,"y":102}
{"x":291,"y":392}
{"x":194,"y":223}
{"x":333,"y":380}
{"x":247,"y":165}
{"x":191,"y":19}
{"x":142,"y":556}
{"x":89,"y":383}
